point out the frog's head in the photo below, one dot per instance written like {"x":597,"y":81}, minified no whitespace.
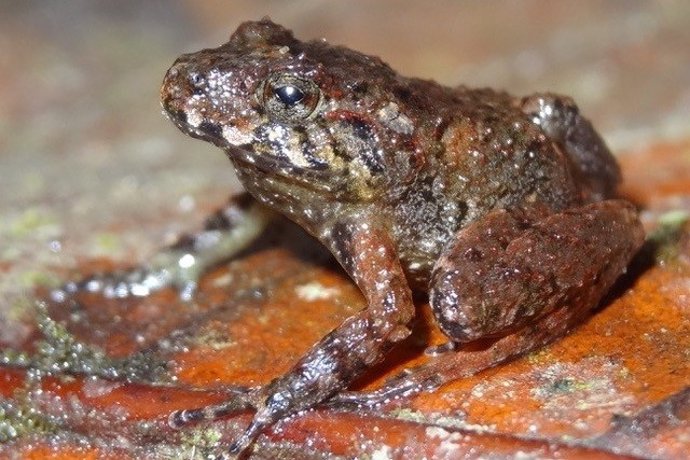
{"x":310,"y":113}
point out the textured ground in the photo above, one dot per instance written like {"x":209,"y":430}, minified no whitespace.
{"x":92,"y":176}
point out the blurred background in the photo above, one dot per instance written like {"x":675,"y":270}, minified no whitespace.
{"x":89,"y":167}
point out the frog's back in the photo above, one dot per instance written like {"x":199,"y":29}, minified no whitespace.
{"x":482,"y":153}
{"x":493,"y":155}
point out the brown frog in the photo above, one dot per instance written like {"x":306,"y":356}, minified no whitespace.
{"x":501,"y":208}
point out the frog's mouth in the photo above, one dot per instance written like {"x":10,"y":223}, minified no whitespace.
{"x":312,"y":179}
{"x":244,"y":155}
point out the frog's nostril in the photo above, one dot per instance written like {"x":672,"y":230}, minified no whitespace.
{"x":196,"y":80}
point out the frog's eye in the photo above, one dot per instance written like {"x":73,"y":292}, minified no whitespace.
{"x":289,"y":99}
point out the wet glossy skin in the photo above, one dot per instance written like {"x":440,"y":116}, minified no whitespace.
{"x":498,"y":207}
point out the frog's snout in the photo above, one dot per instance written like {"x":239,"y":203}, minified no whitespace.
{"x":175,"y":89}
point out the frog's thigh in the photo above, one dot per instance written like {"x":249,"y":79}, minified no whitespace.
{"x":504,"y":272}
{"x":560,"y":119}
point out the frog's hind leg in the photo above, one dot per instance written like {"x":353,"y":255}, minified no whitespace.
{"x":560,"y":119}
{"x":452,"y":364}
{"x":225,"y":233}
{"x":519,"y":281}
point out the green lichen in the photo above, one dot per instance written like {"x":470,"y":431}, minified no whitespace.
{"x":664,"y":240}
{"x":213,"y":339}
{"x":33,"y":221}
{"x":200,"y":443}
{"x":107,"y":243}
{"x":408,"y":415}
{"x":59,"y":352}
{"x":568,"y":385}
{"x":18,"y":419}
{"x":538,"y":357}
{"x":19,"y":309}
{"x":32,"y":278}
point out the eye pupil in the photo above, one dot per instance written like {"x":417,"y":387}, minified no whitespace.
{"x":289,"y":95}
{"x":289,"y":98}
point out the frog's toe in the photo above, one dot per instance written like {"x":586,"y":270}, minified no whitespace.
{"x":243,"y":442}
{"x":242,"y":399}
{"x":437,"y":350}
{"x":406,"y":384}
{"x":180,"y":418}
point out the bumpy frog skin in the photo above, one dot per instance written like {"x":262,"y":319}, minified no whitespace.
{"x":500,"y":208}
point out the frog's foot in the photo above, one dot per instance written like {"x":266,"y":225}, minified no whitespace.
{"x":241,"y":399}
{"x":451,"y":364}
{"x":408,"y":383}
{"x":179,"y":266}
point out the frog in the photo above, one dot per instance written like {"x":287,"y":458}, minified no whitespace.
{"x":501,"y":209}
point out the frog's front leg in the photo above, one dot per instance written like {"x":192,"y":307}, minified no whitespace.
{"x":520,"y":282}
{"x":361,"y":341}
{"x":226,"y":232}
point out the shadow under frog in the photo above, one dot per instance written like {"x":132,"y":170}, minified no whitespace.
{"x":502,"y":209}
